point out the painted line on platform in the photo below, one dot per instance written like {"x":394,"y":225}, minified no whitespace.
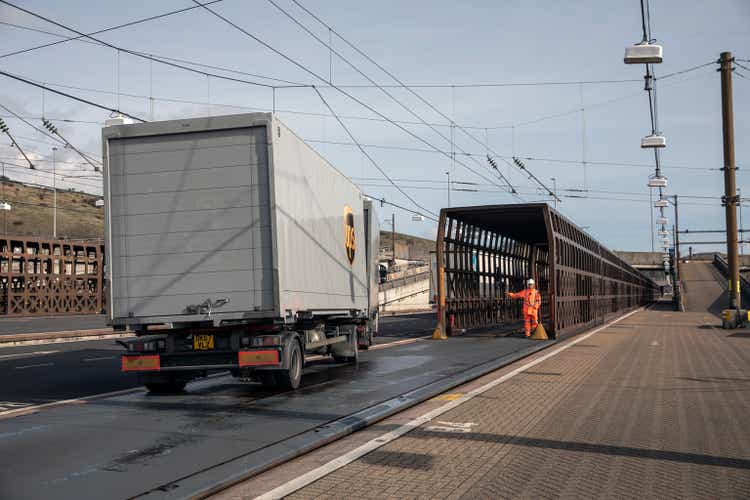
{"x":82,"y":400}
{"x":349,"y":457}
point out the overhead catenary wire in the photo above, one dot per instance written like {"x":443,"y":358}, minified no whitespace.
{"x":323,"y":79}
{"x":69,"y":96}
{"x":147,"y":56}
{"x":367,"y":155}
{"x":160,"y":56}
{"x":402,"y":84}
{"x":395,"y":205}
{"x":382,"y":89}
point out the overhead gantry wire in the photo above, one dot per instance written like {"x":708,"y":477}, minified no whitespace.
{"x":105,"y":30}
{"x":324,"y":80}
{"x":375,"y":85}
{"x":367,"y":155}
{"x":147,"y":56}
{"x":69,"y":96}
{"x":412,"y":91}
{"x":83,"y":39}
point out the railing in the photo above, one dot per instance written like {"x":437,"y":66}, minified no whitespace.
{"x":723,"y":266}
{"x":50,"y":277}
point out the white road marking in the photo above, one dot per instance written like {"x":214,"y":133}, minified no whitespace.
{"x":26,"y":354}
{"x":33,"y":366}
{"x":11,"y":405}
{"x":459,"y":427}
{"x":87,"y":360}
{"x":349,"y":457}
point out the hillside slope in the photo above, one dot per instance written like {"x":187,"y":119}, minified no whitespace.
{"x":31,"y":212}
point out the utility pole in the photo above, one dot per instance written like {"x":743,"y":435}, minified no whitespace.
{"x":730,"y":189}
{"x":677,"y":276}
{"x":393,"y":234}
{"x":54,"y":196}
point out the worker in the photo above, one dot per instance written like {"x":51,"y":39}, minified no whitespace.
{"x":531,"y":302}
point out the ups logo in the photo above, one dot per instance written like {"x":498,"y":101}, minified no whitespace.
{"x":349,"y":240}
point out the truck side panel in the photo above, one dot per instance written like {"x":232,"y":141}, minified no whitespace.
{"x":311,"y":199}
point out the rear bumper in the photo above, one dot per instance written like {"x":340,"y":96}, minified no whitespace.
{"x":251,"y":358}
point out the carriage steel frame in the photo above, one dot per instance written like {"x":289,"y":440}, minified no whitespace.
{"x":485,"y":251}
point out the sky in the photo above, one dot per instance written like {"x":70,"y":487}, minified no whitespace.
{"x":584,"y":135}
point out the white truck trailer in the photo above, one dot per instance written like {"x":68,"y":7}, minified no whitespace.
{"x":232,"y":245}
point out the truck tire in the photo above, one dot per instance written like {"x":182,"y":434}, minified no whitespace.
{"x":353,"y":349}
{"x":291,"y":377}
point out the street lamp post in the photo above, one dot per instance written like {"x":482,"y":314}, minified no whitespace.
{"x":54,"y":195}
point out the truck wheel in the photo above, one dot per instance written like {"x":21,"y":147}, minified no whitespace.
{"x":291,"y":377}
{"x":167,"y":386}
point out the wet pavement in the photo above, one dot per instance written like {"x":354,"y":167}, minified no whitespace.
{"x":128,"y":445}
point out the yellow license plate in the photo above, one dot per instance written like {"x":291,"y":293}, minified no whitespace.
{"x":203,"y":342}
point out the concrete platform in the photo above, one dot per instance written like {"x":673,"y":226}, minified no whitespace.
{"x":655,"y":406}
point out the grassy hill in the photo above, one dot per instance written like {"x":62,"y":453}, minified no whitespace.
{"x":418,"y":248}
{"x":31,"y":212}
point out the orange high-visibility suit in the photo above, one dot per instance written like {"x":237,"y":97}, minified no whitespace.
{"x":532,"y":300}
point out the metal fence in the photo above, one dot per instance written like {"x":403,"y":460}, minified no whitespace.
{"x":50,"y":277}
{"x":486,"y":251}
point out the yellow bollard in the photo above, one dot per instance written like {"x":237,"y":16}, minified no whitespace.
{"x":439,"y":333}
{"x":540,"y":333}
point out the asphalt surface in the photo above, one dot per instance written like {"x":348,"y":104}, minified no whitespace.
{"x":51,"y":324}
{"x":127,"y":445}
{"x":51,"y":372}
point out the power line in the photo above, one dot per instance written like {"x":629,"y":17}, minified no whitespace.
{"x":69,"y":96}
{"x":487,"y":84}
{"x":132,"y":23}
{"x":321,"y":78}
{"x":186,"y":61}
{"x":384,"y":202}
{"x":523,"y":157}
{"x":391,"y":96}
{"x":147,"y":56}
{"x":397,"y":80}
{"x":375,"y":164}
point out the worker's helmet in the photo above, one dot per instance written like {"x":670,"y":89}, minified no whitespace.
{"x":530,"y":281}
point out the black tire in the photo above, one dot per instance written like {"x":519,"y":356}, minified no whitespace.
{"x":291,"y":377}
{"x":166,"y":386}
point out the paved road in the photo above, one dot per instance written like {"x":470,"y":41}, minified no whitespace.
{"x":51,"y":324}
{"x":44,"y":373}
{"x":124,"y":446}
